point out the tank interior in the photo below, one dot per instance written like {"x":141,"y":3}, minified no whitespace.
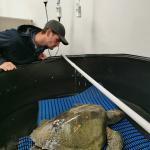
{"x":126,"y":76}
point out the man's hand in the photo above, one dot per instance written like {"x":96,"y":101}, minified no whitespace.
{"x":42,"y":56}
{"x":7,"y":66}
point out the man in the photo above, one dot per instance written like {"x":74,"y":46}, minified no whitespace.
{"x":27,"y":43}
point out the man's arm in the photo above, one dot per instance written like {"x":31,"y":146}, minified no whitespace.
{"x":4,"y":64}
{"x":7,"y":66}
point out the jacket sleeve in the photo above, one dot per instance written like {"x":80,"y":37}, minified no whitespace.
{"x":4,"y":42}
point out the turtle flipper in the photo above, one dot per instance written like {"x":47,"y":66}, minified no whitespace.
{"x":114,"y":139}
{"x":113,"y":116}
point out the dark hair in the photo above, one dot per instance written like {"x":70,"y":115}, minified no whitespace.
{"x":46,"y":28}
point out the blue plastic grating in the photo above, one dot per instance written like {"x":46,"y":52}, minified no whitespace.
{"x":25,"y":143}
{"x":48,"y":109}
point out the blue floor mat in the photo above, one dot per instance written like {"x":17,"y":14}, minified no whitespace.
{"x":50,"y":108}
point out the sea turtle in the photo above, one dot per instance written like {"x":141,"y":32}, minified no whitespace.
{"x":83,"y":127}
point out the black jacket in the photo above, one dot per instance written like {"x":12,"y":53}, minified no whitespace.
{"x":16,"y":45}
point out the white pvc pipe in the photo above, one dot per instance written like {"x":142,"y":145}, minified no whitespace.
{"x":136,"y":117}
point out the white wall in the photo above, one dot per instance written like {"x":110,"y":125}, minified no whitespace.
{"x":106,"y":26}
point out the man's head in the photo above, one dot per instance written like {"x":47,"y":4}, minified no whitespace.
{"x":56,"y":28}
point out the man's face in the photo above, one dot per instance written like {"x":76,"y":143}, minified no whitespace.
{"x":52,"y":39}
